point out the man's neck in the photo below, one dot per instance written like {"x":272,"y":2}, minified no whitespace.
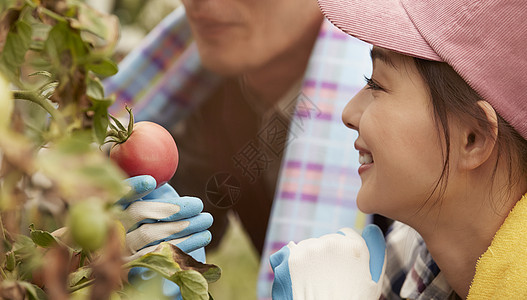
{"x":270,"y":82}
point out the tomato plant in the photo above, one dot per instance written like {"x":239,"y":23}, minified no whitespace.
{"x":53,"y":174}
{"x":145,"y":148}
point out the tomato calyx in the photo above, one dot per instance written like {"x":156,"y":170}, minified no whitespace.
{"x":117,"y":133}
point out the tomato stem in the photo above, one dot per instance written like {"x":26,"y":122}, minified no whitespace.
{"x":117,"y":133}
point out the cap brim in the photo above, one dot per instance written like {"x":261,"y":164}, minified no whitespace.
{"x":382,"y":23}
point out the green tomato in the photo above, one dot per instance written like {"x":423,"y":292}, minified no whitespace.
{"x":89,"y":223}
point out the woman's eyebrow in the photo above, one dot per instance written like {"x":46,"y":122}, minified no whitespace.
{"x":383,"y":55}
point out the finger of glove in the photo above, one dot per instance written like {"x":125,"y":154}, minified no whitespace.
{"x":186,"y":244}
{"x":282,"y":286}
{"x":160,"y":210}
{"x":140,"y":186}
{"x":164,"y":191}
{"x":195,"y":241}
{"x":155,"y":233}
{"x":374,"y":239}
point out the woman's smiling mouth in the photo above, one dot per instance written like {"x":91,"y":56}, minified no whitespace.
{"x":365,"y":158}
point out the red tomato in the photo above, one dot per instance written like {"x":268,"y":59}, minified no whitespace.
{"x":150,"y":150}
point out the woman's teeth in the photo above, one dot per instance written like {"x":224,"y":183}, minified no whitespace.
{"x":365,"y":158}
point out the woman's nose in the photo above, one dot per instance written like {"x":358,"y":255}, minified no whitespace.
{"x":353,"y":111}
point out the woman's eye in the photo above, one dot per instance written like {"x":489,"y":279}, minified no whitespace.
{"x":372,"y":85}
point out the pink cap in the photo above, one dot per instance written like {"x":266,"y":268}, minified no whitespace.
{"x":485,"y":41}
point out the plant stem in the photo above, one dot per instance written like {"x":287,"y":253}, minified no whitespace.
{"x":81,"y":286}
{"x":4,"y":275}
{"x":53,"y":15}
{"x":44,"y":103}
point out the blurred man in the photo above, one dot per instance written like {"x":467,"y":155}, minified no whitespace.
{"x":253,"y":92}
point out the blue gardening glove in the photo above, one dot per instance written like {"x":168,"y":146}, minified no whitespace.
{"x":342,"y":265}
{"x":152,"y":216}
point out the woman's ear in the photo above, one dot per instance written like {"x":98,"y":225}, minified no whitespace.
{"x":477,"y":141}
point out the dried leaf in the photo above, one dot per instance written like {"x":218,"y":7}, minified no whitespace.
{"x":55,"y":273}
{"x":211,"y":272}
{"x":107,"y":271}
{"x":10,"y":289}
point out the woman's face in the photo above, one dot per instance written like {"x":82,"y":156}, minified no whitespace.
{"x":236,"y":36}
{"x":399,"y":145}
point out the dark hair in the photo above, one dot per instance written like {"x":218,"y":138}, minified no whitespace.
{"x":452,"y":97}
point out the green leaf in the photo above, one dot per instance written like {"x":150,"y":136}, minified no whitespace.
{"x":174,"y":264}
{"x":192,"y":285}
{"x":64,"y":47}
{"x":103,"y":66}
{"x":4,"y":4}
{"x":158,"y":262}
{"x":94,"y":87}
{"x":42,"y":238}
{"x":100,"y":122}
{"x":97,"y":29}
{"x":39,"y":36}
{"x":79,"y":277}
{"x":100,"y":105}
{"x":33,"y":291}
{"x":16,"y":45}
{"x":27,"y":255}
{"x":10,"y":261}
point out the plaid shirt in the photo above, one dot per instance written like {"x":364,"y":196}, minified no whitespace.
{"x":411,"y":273}
{"x":315,"y":194}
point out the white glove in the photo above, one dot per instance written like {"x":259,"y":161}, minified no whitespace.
{"x":334,"y":266}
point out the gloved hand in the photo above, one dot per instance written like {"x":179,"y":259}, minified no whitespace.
{"x":342,"y":265}
{"x":152,"y":216}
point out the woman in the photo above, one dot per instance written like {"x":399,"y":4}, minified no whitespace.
{"x":442,"y":143}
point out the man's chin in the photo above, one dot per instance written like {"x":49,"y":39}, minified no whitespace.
{"x":222,"y":64}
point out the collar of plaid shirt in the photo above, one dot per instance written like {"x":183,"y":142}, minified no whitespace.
{"x":411,"y":273}
{"x":163,"y":80}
